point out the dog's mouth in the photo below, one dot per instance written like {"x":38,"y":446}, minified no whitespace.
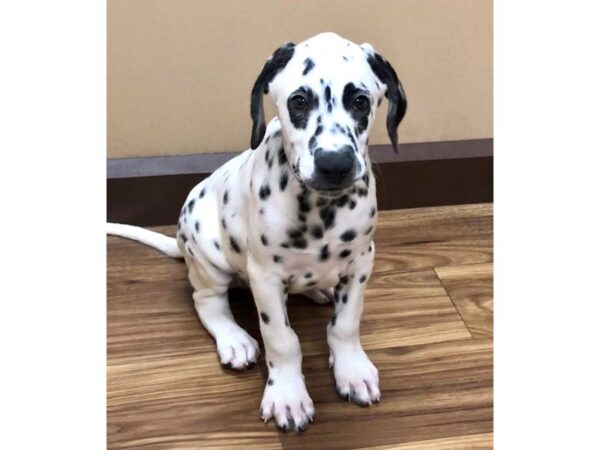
{"x":323,"y":189}
{"x":328,"y":191}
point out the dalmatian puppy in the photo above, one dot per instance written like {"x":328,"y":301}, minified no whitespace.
{"x":295,"y":213}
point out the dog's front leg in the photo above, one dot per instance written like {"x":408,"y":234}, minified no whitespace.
{"x":356,"y":377}
{"x":285,"y":398}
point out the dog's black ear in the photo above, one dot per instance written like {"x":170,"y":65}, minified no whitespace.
{"x":272,"y":67}
{"x":394,"y":93}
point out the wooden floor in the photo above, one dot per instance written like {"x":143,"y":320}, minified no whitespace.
{"x":427,"y":326}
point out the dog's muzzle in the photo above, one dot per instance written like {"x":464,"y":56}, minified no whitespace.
{"x":334,"y":169}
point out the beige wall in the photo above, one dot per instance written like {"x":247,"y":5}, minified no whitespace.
{"x":180,"y":71}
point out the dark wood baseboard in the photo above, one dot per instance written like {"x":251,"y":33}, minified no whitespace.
{"x":150,"y":191}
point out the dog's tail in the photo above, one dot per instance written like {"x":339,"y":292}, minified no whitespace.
{"x":160,"y":242}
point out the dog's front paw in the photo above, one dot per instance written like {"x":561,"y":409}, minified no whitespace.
{"x":237,"y":349}
{"x":287,"y":402}
{"x":356,"y":378}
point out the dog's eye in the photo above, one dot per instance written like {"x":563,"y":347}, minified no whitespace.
{"x":361,"y":103}
{"x":298,"y":102}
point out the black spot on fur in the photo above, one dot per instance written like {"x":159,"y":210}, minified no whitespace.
{"x":202,"y":192}
{"x":362,"y":279}
{"x":369,"y":230}
{"x":344,"y":298}
{"x":308,"y":66}
{"x":299,"y":243}
{"x":366,"y":179}
{"x":263,"y":239}
{"x":303,"y":202}
{"x":271,"y":365}
{"x":348,"y":235}
{"x":294,"y":233}
{"x":283,"y":181}
{"x":328,"y":217}
{"x":311,"y":284}
{"x":190,"y":250}
{"x":270,"y":382}
{"x":351,"y":136}
{"x":328,"y":99}
{"x":324,"y":255}
{"x":217,"y":246}
{"x":344,"y":279}
{"x":264,"y":192}
{"x":308,"y":275}
{"x":223,"y":224}
{"x":191,"y":204}
{"x":345,"y":253}
{"x":321,"y":201}
{"x":373,"y":211}
{"x":234,"y":245}
{"x":352,"y":204}
{"x":197,"y":226}
{"x":276,"y":258}
{"x":370,"y":248}
{"x":341,"y":201}
{"x":333,"y":320}
{"x":362,"y":192}
{"x":225,"y":197}
{"x":264,"y":317}
{"x":316,"y":231}
{"x":183,"y":237}
{"x":281,"y":157}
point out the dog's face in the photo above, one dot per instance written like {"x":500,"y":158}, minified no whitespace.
{"x":326,"y":91}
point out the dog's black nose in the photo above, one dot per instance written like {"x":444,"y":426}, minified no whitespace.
{"x":335,"y":167}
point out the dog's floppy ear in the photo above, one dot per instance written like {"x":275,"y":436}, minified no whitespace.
{"x":272,"y":67}
{"x":394,"y":93}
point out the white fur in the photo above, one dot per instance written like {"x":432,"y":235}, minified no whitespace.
{"x":272,"y":270}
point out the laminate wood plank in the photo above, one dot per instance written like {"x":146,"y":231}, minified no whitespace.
{"x":482,"y":441}
{"x":167,"y":390}
{"x":429,"y":391}
{"x":470,"y":288}
{"x":432,"y":237}
{"x":413,"y":309}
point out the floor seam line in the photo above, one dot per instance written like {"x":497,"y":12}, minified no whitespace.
{"x":452,"y":300}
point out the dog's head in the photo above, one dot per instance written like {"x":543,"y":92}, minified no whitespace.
{"x":326,"y":90}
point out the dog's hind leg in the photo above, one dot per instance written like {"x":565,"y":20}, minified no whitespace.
{"x":236,"y":348}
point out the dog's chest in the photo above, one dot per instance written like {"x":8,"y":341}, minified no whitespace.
{"x":311,"y":240}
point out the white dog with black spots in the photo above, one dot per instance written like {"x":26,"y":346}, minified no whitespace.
{"x":295,"y":213}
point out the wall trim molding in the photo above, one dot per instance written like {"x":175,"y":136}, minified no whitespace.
{"x":150,"y":191}
{"x":208,"y":162}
